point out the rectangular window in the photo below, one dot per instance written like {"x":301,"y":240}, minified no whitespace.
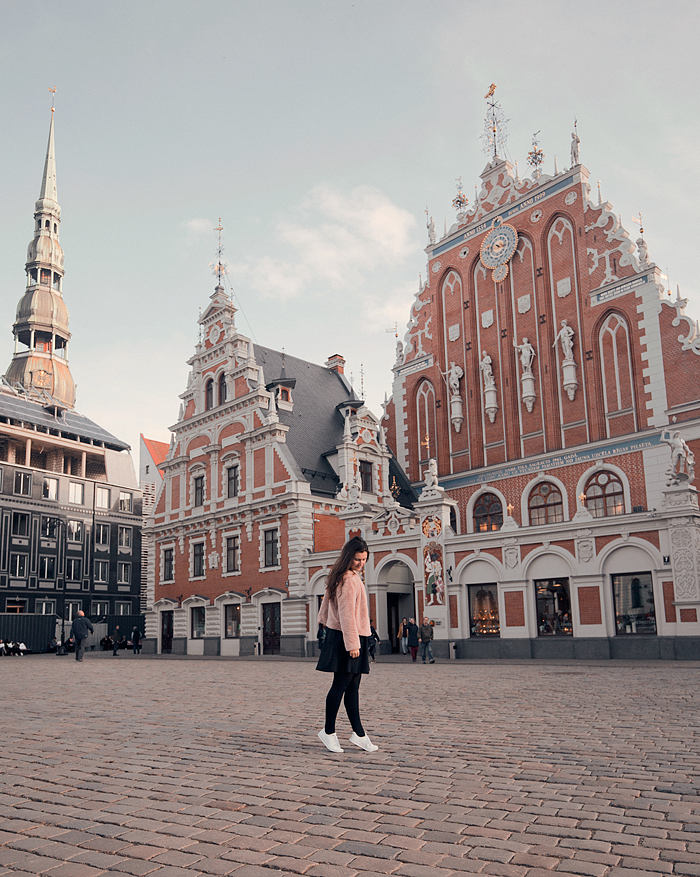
{"x":23,"y":483}
{"x":270,"y":547}
{"x":74,"y":529}
{"x":20,"y":524}
{"x":633,"y":595}
{"x":101,"y":534}
{"x":49,"y":526}
{"x":198,"y":559}
{"x":123,"y":573}
{"x":99,"y":607}
{"x":124,"y":501}
{"x":168,"y":565}
{"x":197,"y":618}
{"x":553,"y":607}
{"x":483,"y":610}
{"x":232,"y":554}
{"x":122,"y":607}
{"x":232,"y":620}
{"x":102,"y":498}
{"x":232,"y":481}
{"x":125,"y":537}
{"x":74,"y":569}
{"x":71,"y":610}
{"x":15,"y":606}
{"x":199,"y":490}
{"x":44,"y":607}
{"x":47,"y":567}
{"x":76,"y":493}
{"x":18,"y":566}
{"x":366,"y":476}
{"x":50,"y":488}
{"x":101,"y":571}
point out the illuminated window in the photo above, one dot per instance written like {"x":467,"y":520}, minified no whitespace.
{"x":488,"y":513}
{"x":605,"y":496}
{"x":545,"y":505}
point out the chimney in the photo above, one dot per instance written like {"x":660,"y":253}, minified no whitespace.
{"x":335,"y":363}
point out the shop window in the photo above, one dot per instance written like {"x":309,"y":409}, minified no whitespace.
{"x":199,"y":490}
{"x":271,"y":552}
{"x":605,"y":496}
{"x":209,"y":395}
{"x":483,"y":610}
{"x":23,"y":483}
{"x":222,"y":388}
{"x":553,"y":607}
{"x":76,"y":493}
{"x":232,"y":554}
{"x":232,"y":620}
{"x":20,"y":524}
{"x":366,"y":476}
{"x":18,"y":566}
{"x":197,"y":622}
{"x":545,"y":505}
{"x":74,"y":569}
{"x":168,"y":565}
{"x":198,"y":559}
{"x":488,"y":513}
{"x":47,"y":567}
{"x":633,"y":596}
{"x":232,"y":481}
{"x":50,"y":488}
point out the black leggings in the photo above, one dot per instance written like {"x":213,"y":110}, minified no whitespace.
{"x":347,"y":684}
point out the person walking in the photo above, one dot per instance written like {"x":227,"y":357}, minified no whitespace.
{"x":115,"y":642}
{"x":412,"y":629}
{"x":403,"y":636}
{"x":136,"y":641}
{"x":79,"y":631}
{"x":373,"y":639}
{"x":426,"y":636}
{"x":345,"y":651}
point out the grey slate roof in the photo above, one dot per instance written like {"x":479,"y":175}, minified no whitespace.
{"x":69,"y":424}
{"x":315,"y":424}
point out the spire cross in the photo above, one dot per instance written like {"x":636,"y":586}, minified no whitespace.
{"x":53,"y":97}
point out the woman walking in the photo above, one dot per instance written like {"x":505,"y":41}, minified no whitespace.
{"x":345,"y":651}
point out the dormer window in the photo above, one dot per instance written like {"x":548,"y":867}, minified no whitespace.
{"x":284,"y":394}
{"x":366,"y":476}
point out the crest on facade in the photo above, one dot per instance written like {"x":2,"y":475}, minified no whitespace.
{"x":524,"y":304}
{"x":512,"y":557}
{"x":432,"y":527}
{"x":487,"y":319}
{"x":585,"y":550}
{"x":564,"y":287}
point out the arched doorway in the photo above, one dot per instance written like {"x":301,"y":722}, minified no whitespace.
{"x":397,"y":582}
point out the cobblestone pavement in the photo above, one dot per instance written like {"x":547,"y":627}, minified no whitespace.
{"x":185,"y":767}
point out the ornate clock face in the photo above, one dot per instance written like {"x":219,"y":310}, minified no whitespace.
{"x":498,"y":246}
{"x":500,"y":272}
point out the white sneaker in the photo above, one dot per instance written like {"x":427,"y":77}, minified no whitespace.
{"x":363,"y":742}
{"x":330,"y":741}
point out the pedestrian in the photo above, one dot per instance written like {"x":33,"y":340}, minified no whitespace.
{"x":78,"y":633}
{"x":136,"y":640}
{"x":402,"y":636}
{"x":115,"y":643}
{"x":412,"y":628}
{"x":345,"y":651}
{"x":426,"y":636}
{"x":373,"y":639}
{"x":320,"y":637}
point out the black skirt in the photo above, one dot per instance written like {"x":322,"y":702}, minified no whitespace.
{"x":335,"y":658}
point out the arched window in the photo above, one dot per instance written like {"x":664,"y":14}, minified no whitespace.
{"x":488,"y":513}
{"x":425,"y":416}
{"x":605,"y":496}
{"x":545,"y":505}
{"x":209,"y":395}
{"x":617,"y":376}
{"x":222,"y":388}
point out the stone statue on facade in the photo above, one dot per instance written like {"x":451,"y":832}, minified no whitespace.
{"x":566,"y":337}
{"x":575,"y":141}
{"x":527,"y":354}
{"x":682,"y":468}
{"x":487,"y":371}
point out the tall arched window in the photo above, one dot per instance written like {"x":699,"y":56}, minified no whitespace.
{"x":616,"y":374}
{"x":209,"y":395}
{"x":425,"y":417}
{"x":222,"y":388}
{"x":605,"y":495}
{"x":545,"y":504}
{"x":488,"y":513}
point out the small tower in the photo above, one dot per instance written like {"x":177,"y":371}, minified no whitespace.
{"x":42,"y":319}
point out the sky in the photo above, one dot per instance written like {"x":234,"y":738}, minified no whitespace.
{"x":318,"y":131}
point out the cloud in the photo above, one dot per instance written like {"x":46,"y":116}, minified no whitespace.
{"x":199,"y":226}
{"x":334,"y":241}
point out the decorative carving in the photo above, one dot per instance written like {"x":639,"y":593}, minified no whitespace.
{"x":490,"y":396}
{"x":564,"y":287}
{"x":512,"y":557}
{"x":524,"y":304}
{"x":464,"y":252}
{"x":535,"y":216}
{"x":214,"y":560}
{"x":566,"y":337}
{"x":570,"y":198}
{"x":527,"y":354}
{"x":453,"y":332}
{"x":437,"y":265}
{"x":682,"y":467}
{"x":586,"y":550}
{"x":487,"y":319}
{"x":434,"y":584}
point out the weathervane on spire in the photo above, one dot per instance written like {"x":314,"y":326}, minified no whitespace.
{"x":495,"y":126}
{"x":535,"y":156}
{"x":219,"y":268}
{"x":53,"y":97}
{"x":460,"y":201}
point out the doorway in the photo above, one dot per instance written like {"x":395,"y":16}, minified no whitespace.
{"x":272,"y":628}
{"x":393,"y":620}
{"x":166,"y":632}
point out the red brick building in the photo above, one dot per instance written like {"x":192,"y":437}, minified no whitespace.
{"x":556,"y":383}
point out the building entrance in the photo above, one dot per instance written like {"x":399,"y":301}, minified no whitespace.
{"x":272,"y":628}
{"x":166,"y":632}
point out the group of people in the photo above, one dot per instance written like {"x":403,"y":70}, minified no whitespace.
{"x":410,"y":636}
{"x":82,"y":628}
{"x":9,"y":648}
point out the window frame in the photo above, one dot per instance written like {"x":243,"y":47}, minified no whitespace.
{"x":599,"y":504}
{"x":97,"y":568}
{"x":198,"y":560}
{"x":271,"y":552}
{"x":75,"y":487}
{"x":198,"y":491}
{"x":24,"y":480}
{"x":23,"y":517}
{"x":100,"y":492}
{"x":538,"y":492}
{"x":126,"y":500}
{"x":17,"y":559}
{"x":233,"y":547}
{"x":232,"y":627}
{"x":198,"y":626}
{"x":72,"y":527}
{"x":99,"y":528}
{"x":128,"y":532}
{"x":366,"y":476}
{"x":47,"y":567}
{"x":627,"y":624}
{"x":489,"y":514}
{"x":47,"y":484}
{"x":168,"y":561}
{"x":232,"y":480}
{"x":123,"y":572}
{"x":73,"y":565}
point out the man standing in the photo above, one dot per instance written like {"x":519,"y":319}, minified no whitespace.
{"x":78,"y":633}
{"x":115,"y":642}
{"x":426,"y":635}
{"x":412,"y":629}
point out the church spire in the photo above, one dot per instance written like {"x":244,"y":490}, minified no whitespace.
{"x":40,"y":361}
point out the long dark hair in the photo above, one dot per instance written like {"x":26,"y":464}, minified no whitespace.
{"x":342,"y":564}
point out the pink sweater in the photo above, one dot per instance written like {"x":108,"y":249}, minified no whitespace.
{"x":348,"y":612}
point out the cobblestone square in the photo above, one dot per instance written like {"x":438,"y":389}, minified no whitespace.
{"x":184,"y":767}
